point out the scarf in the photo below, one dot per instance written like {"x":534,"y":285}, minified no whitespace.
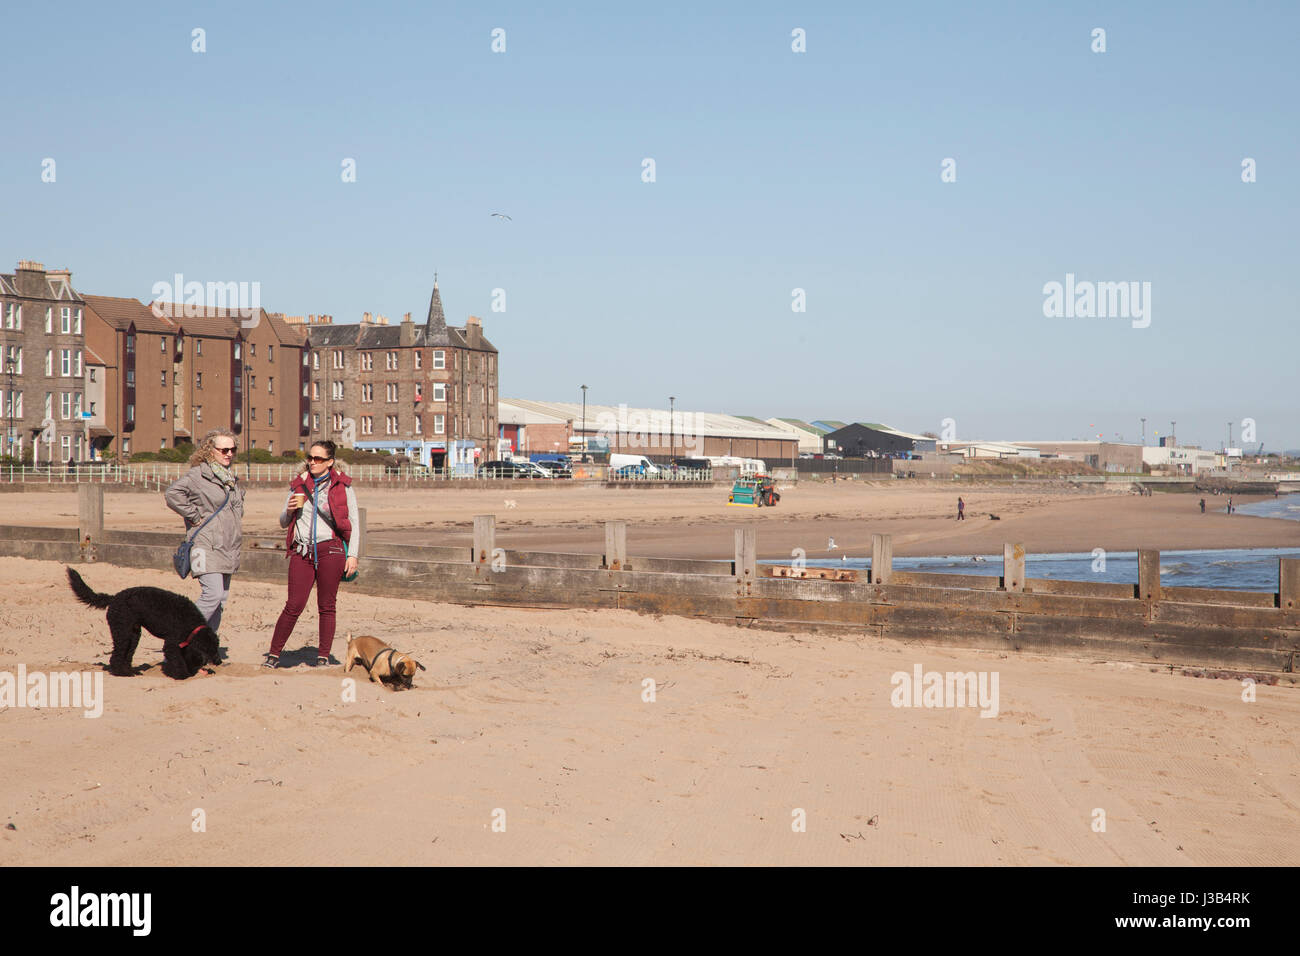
{"x":222,"y":474}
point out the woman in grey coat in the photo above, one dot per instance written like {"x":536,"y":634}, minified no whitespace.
{"x":196,"y":496}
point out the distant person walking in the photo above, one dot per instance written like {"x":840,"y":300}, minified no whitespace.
{"x":1229,"y":504}
{"x":961,"y":510}
{"x":1202,"y":506}
{"x":210,"y":492}
{"x":322,"y":541}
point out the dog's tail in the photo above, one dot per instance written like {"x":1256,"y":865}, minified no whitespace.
{"x":84,"y":594}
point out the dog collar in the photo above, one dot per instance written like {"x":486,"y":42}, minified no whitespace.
{"x":187,"y":640}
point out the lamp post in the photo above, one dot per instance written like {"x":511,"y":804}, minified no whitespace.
{"x":9,"y":434}
{"x":672,"y":446}
{"x":584,"y":419}
{"x":1144,"y":432}
{"x":248,"y":425}
{"x":1225,"y":447}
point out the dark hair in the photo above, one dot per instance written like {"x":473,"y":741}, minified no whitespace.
{"x":325,"y":443}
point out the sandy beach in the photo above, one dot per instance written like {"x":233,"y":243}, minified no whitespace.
{"x":697,"y":523}
{"x":538,"y":719}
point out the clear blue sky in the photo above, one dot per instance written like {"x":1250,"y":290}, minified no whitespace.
{"x":775,"y":170}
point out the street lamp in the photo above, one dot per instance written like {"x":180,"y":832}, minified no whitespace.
{"x":672,"y":447}
{"x":248,"y":425}
{"x":9,"y":435}
{"x":584,"y":418}
{"x":1173,"y":432}
{"x":1144,"y":432}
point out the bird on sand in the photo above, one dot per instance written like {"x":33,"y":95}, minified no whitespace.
{"x":830,"y":544}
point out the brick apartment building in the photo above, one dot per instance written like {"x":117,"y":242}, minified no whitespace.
{"x":428,"y":391}
{"x":42,"y":364}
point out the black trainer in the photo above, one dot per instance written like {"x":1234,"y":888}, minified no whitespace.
{"x":271,"y":660}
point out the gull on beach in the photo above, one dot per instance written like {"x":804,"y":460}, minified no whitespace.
{"x":501,"y":215}
{"x":830,"y":544}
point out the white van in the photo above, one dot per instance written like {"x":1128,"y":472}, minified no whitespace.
{"x":639,"y":465}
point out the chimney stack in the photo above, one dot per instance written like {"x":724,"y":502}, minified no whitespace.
{"x":407,"y":336}
{"x":474,"y":331}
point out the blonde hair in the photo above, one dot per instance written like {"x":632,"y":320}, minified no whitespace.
{"x":207,"y":445}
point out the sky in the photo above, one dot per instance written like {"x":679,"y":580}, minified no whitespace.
{"x":773,"y":171}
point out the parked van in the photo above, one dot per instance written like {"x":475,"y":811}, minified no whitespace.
{"x":634,"y":465}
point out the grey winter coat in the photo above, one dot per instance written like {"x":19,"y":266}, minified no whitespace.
{"x":195,"y":496}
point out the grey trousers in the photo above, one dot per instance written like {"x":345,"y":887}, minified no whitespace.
{"x":216,"y":588}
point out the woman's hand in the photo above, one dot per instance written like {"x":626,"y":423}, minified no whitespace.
{"x":350,"y":565}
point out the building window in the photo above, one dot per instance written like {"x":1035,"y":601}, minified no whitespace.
{"x":315,"y":391}
{"x":162,"y":412}
{"x":270,"y":416}
{"x":315,"y":359}
{"x":419,"y":426}
{"x":437,"y":424}
{"x":162,"y":443}
{"x":130,"y":378}
{"x":93,"y":411}
{"x":439,"y":358}
{"x":162,"y":345}
{"x":367,"y":361}
{"x":270,"y":446}
{"x":252,"y":414}
{"x":391,"y":359}
{"x":439,"y":392}
{"x":164,"y":379}
{"x":315,"y":423}
{"x":391,"y":390}
{"x":252,"y":382}
{"x":198,"y":380}
{"x":419,"y":359}
{"x":91,"y":372}
{"x":236,"y":417}
{"x":65,"y":362}
{"x":65,"y":405}
{"x":336,"y":390}
{"x":198,"y":413}
{"x":367,"y":393}
{"x":388,"y":425}
{"x":65,"y":319}
{"x":338,"y":422}
{"x":198,"y":346}
{"x":270,"y":354}
{"x":270,"y":384}
{"x":367,"y":425}
{"x":49,"y":320}
{"x":252,"y":350}
{"x":338,"y":358}
{"x":77,"y":371}
{"x":65,"y":446}
{"x":77,"y":325}
{"x":237,"y":351}
{"x":130,"y":341}
{"x":14,"y":355}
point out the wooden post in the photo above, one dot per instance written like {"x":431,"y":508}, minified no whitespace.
{"x":1288,"y":583}
{"x":616,"y":545}
{"x":90,"y":512}
{"x":1148,"y":575}
{"x":485,"y":538}
{"x":882,"y":558}
{"x":1013,"y":567}
{"x":746,"y":554}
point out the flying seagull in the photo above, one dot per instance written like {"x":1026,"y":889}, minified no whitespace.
{"x":502,"y":216}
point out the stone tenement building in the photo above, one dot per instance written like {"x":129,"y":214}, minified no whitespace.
{"x":42,"y":365}
{"x":427,"y":391}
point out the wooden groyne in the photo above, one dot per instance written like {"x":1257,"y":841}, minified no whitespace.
{"x":1144,"y":620}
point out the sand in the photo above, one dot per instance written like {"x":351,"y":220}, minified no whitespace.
{"x":697,"y":523}
{"x":539,"y":714}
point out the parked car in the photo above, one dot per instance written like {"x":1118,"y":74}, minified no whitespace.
{"x":555,"y":469}
{"x":508,"y":469}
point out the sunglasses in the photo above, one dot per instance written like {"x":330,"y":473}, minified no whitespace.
{"x":317,"y":460}
{"x":224,"y":451}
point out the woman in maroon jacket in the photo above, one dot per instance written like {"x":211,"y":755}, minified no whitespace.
{"x":322,"y":541}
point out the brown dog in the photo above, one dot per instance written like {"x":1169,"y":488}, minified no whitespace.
{"x":381,"y":661}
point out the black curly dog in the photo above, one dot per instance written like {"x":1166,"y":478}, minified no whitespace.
{"x":188,"y":642}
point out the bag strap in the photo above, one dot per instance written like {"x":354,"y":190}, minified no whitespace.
{"x":191,"y":538}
